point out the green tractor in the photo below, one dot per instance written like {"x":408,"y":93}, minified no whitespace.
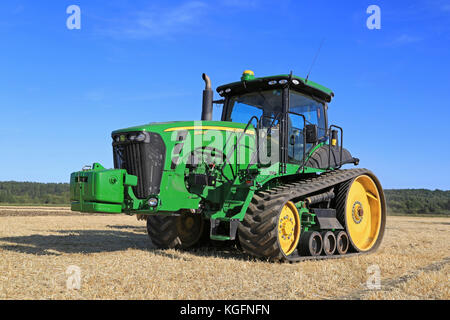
{"x":267,"y":176}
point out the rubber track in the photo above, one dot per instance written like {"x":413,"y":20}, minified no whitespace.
{"x":257,"y":232}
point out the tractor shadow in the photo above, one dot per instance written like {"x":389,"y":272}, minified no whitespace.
{"x":115,"y":238}
{"x":76,"y":241}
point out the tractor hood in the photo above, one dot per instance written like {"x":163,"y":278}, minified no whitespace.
{"x":165,"y":128}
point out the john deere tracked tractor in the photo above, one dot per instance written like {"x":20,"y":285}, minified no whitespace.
{"x":268,"y":176}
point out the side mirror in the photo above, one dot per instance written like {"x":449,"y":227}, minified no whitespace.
{"x":311,"y":133}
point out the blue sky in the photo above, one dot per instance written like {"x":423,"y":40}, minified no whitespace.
{"x":63,"y":91}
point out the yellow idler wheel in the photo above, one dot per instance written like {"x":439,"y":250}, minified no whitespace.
{"x":288,"y":228}
{"x":271,"y":227}
{"x":361,"y":207}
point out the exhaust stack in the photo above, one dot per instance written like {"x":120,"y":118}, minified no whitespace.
{"x":207,"y":104}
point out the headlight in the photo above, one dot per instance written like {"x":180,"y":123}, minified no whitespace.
{"x":140,"y":137}
{"x":152,"y":202}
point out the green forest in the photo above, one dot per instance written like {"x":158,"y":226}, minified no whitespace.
{"x":399,"y":201}
{"x":34,"y":193}
{"x":418,"y":201}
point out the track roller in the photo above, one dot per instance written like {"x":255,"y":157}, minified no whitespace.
{"x":329,"y":243}
{"x":342,"y":242}
{"x":310,"y":243}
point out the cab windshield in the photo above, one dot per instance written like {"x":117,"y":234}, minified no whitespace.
{"x":265,"y":105}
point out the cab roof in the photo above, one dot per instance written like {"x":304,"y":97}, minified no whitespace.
{"x":250,"y":83}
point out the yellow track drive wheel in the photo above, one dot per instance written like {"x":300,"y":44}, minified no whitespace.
{"x":288,"y":228}
{"x":361,"y":208}
{"x":181,"y":232}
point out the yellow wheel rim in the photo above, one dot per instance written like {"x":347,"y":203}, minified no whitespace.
{"x":288,"y":228}
{"x":363,"y":213}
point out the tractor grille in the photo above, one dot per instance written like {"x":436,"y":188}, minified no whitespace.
{"x":144,"y":159}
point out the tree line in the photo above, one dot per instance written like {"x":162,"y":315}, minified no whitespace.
{"x":12,"y":192}
{"x":400,"y":201}
{"x":418,"y":201}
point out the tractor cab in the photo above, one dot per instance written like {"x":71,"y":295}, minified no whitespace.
{"x":284,"y":106}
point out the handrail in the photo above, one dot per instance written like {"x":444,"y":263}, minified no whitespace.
{"x":257,"y":138}
{"x":239,"y":140}
{"x":330,"y":146}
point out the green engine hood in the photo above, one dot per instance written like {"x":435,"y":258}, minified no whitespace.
{"x":167,"y":127}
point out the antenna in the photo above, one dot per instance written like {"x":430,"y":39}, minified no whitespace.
{"x":314,"y":61}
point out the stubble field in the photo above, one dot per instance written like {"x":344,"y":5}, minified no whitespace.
{"x":117,"y":261}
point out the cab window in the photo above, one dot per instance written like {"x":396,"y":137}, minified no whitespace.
{"x":313,"y":111}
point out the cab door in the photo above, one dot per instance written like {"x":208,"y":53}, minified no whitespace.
{"x":306,"y":126}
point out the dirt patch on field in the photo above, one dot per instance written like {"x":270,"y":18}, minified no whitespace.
{"x":117,"y":261}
